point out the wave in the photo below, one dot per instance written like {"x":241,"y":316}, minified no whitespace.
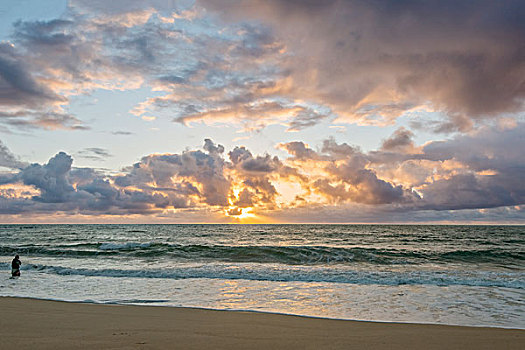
{"x":123,"y":246}
{"x":390,"y":278}
{"x":132,"y":301}
{"x":289,"y":255}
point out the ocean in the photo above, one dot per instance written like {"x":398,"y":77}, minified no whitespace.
{"x":458,"y":275}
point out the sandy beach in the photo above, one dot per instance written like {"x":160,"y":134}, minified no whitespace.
{"x":41,"y":324}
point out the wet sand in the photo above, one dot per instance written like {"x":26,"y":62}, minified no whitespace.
{"x":41,"y":324}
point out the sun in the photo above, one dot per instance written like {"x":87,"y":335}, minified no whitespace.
{"x":241,"y":214}
{"x":247,"y":214}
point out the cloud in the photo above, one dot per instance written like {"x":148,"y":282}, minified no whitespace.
{"x":122,"y":133}
{"x":372,"y":61}
{"x":374,"y":214}
{"x":485,"y":150}
{"x":255,"y":188}
{"x":18,"y":85}
{"x":299,"y":150}
{"x":42,"y":120}
{"x":345,"y":176}
{"x":244,"y":161}
{"x":61,"y":188}
{"x":47,"y":62}
{"x":8,"y":159}
{"x":350,"y":61}
{"x":493,"y":175}
{"x":468,"y":191}
{"x":476,"y":171}
{"x":470,"y":174}
{"x":204,"y":73}
{"x":235,"y":212}
{"x":196,"y":175}
{"x":246,"y":198}
{"x":27,"y":100}
{"x":50,"y":179}
{"x":401,"y":140}
{"x":306,"y":118}
{"x":94,"y":153}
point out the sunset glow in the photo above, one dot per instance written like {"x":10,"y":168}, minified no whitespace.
{"x":352,"y":171}
{"x":215,"y":111}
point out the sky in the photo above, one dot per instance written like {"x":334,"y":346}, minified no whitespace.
{"x":274,"y":111}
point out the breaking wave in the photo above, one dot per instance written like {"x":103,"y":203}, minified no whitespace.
{"x":290,"y":255}
{"x":299,"y":274}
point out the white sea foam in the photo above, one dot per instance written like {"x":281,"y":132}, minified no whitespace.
{"x":467,"y":275}
{"x":454,"y":304}
{"x":283,"y":273}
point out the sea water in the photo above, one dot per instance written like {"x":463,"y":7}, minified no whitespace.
{"x":461,"y":275}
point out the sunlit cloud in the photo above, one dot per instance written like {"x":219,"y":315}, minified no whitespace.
{"x":305,"y":77}
{"x":240,"y":186}
{"x":257,"y":74}
{"x":372,"y":62}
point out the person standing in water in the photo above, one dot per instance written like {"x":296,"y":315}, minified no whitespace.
{"x":15,"y":266}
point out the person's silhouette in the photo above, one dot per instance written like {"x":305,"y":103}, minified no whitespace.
{"x":15,"y":266}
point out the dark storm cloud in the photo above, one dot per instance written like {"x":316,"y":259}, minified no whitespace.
{"x":374,"y":60}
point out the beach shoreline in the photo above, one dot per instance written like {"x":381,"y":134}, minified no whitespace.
{"x":35,"y":323}
{"x":149,"y":304}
